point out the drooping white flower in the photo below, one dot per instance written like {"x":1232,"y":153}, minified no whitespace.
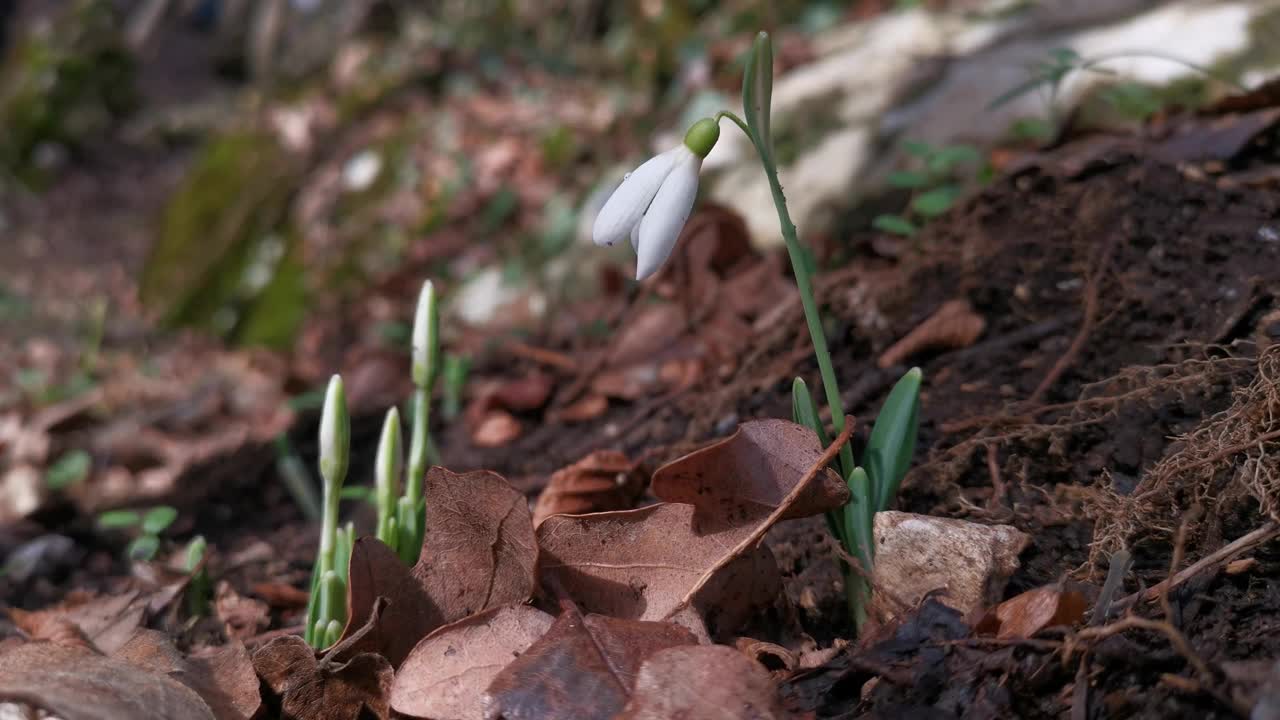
{"x":653,"y":203}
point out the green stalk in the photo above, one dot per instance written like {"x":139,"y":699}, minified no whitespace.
{"x":387,"y":473}
{"x":804,"y":283}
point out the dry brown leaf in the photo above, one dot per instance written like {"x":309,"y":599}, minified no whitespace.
{"x":280,"y":595}
{"x":496,"y":429}
{"x":341,"y":686}
{"x":223,"y":677}
{"x":640,"y":564}
{"x":743,"y":478}
{"x":773,"y":657}
{"x":590,"y":407}
{"x":50,"y":628}
{"x":242,"y":617}
{"x":1024,"y":615}
{"x":529,"y":392}
{"x":106,"y":621}
{"x":478,"y":553}
{"x":446,"y":674}
{"x":603,"y":480}
{"x":582,"y":668}
{"x":708,"y":682}
{"x":954,"y":325}
{"x":75,"y":683}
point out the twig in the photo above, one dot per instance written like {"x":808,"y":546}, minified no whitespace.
{"x":763,"y":527}
{"x":1091,"y":293}
{"x":1222,"y":554}
{"x":1208,"y":680}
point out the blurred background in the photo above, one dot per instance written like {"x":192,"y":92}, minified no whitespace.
{"x":208,"y":206}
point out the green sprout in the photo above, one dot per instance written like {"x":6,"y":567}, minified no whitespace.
{"x":327,"y":604}
{"x":934,"y":182}
{"x":198,"y":590}
{"x":873,"y":483}
{"x":387,"y":469}
{"x":149,"y":525}
{"x":411,"y":508}
{"x":455,"y":372}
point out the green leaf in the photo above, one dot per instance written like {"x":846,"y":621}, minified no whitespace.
{"x":935,"y":202}
{"x":857,"y":517}
{"x":143,"y":547}
{"x":757,"y":93}
{"x":919,"y":148}
{"x":895,"y":224}
{"x":357,"y":492}
{"x":158,"y":519}
{"x":117,"y":519}
{"x":1017,"y":91}
{"x":893,"y":437}
{"x":69,"y":469}
{"x":908,"y":179}
{"x":805,"y":411}
{"x":948,"y":158}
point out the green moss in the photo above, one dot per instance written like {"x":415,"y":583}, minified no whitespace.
{"x":63,"y":86}
{"x":221,"y":235}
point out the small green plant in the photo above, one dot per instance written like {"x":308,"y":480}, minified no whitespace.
{"x":326,"y":608}
{"x":198,"y":588}
{"x":149,"y":525}
{"x":650,"y":208}
{"x":936,"y":181}
{"x":455,"y":372}
{"x":1049,"y":74}
{"x":411,"y":507}
{"x":71,"y":468}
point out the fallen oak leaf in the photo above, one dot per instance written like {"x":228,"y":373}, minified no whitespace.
{"x":953,"y":325}
{"x":1026,"y":614}
{"x":746,"y":476}
{"x":603,"y":480}
{"x":76,"y":683}
{"x":708,"y":682}
{"x":640,"y":565}
{"x":447,"y":672}
{"x":652,"y":563}
{"x":106,"y":621}
{"x":329,"y":688}
{"x":581,"y":668}
{"x":478,"y":552}
{"x":223,"y":677}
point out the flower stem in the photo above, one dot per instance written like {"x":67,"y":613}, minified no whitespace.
{"x":804,"y":283}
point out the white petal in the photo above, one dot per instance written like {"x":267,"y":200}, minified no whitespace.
{"x":670,"y":208}
{"x":626,"y":206}
{"x":635,"y":236}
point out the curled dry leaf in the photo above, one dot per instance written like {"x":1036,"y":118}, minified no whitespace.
{"x":496,"y":429}
{"x":954,"y":325}
{"x":1022,"y":616}
{"x":107,"y":622}
{"x":223,"y":677}
{"x":582,"y":668}
{"x":242,"y":617}
{"x":774,"y":658}
{"x":446,"y":674}
{"x":478,"y":553}
{"x":75,"y":683}
{"x":744,"y":477}
{"x":708,"y":682}
{"x":603,"y":480}
{"x":640,"y":565}
{"x":330,"y":688}
{"x":590,"y":407}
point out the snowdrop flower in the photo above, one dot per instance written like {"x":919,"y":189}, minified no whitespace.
{"x":652,"y":203}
